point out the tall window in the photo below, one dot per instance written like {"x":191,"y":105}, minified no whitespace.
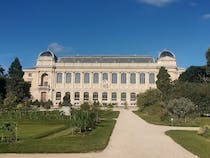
{"x":86,"y":96}
{"x":142,"y":78}
{"x":77,"y":77}
{"x":86,"y":78}
{"x":95,"y":96}
{"x":151,"y":78}
{"x":59,"y":77}
{"x":114,"y":96}
{"x":123,"y":96}
{"x":133,"y":78}
{"x":104,"y":96}
{"x":76,"y":96}
{"x":95,"y":78}
{"x":133,"y":96}
{"x":114,"y":78}
{"x":68,"y":77}
{"x":58,"y":96}
{"x":123,"y":78}
{"x":105,"y":76}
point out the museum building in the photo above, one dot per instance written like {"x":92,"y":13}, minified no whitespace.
{"x":106,"y":79}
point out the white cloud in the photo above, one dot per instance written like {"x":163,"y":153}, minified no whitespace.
{"x":57,"y":48}
{"x":157,"y":3}
{"x":206,"y":16}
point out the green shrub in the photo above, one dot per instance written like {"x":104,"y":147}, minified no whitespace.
{"x":150,"y":97}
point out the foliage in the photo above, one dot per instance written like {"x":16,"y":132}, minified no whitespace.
{"x":195,"y":74}
{"x":180,"y":108}
{"x":15,"y":70}
{"x":163,"y":80}
{"x":8,"y":132}
{"x":196,"y":92}
{"x":85,"y":106}
{"x":1,"y":71}
{"x":2,"y":89}
{"x":208,"y":62}
{"x":150,"y":97}
{"x":84,"y":120}
{"x":204,"y":131}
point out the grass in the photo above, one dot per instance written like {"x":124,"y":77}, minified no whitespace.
{"x":57,"y":138}
{"x":152,"y":114}
{"x":191,"y":141}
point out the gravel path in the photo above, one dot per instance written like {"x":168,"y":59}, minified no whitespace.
{"x":132,"y":138}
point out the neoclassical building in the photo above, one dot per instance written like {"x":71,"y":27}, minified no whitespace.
{"x":107,"y":79}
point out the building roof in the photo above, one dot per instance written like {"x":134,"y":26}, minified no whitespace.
{"x":106,"y":59}
{"x":166,"y":53}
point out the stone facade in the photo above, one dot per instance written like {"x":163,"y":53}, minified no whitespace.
{"x":107,"y":79}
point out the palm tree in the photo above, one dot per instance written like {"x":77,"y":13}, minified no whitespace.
{"x":1,"y":71}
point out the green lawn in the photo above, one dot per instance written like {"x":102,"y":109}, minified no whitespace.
{"x":193,"y":142}
{"x":152,"y":114}
{"x":40,"y":137}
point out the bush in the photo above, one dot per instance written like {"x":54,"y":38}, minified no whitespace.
{"x":150,"y":97}
{"x":85,"y":106}
{"x":181,"y":108}
{"x":204,"y":131}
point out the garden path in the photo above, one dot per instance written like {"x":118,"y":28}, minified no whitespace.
{"x":132,"y":137}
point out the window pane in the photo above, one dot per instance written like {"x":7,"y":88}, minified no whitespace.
{"x":123,"y":96}
{"x":58,"y":96}
{"x":123,"y":78}
{"x":86,"y":96}
{"x":68,"y":77}
{"x":77,"y":77}
{"x":142,"y":78}
{"x":76,"y":96}
{"x":105,"y":76}
{"x":151,"y":78}
{"x":59,"y":77}
{"x":114,"y":96}
{"x":133,"y":97}
{"x":95,"y":78}
{"x":86,"y":78}
{"x":132,"y":78}
{"x":114,"y":78}
{"x":104,"y":96}
{"x":95,"y":96}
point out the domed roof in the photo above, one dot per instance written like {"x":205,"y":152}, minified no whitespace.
{"x":166,"y":53}
{"x":48,"y":53}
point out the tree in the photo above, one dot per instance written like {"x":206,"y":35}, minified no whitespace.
{"x":16,"y":86}
{"x":15,"y":70}
{"x":1,"y":71}
{"x":208,"y":62}
{"x":163,"y":80}
{"x":195,"y":74}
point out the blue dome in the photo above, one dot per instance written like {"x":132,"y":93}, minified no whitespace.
{"x":166,"y":53}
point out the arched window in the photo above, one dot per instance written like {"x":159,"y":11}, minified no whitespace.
{"x":77,"y":77}
{"x":86,"y":96}
{"x":44,"y":79}
{"x":114,"y":77}
{"x":95,"y":96}
{"x":142,"y":78}
{"x":58,"y":96}
{"x":114,"y":96}
{"x":86,"y":78}
{"x":76,"y":96}
{"x":104,"y":96}
{"x":151,"y":78}
{"x":133,"y":97}
{"x":68,"y":77}
{"x":59,"y":77}
{"x":123,"y":78}
{"x":105,"y":76}
{"x":95,"y":78}
{"x":133,"y":78}
{"x":123,"y":96}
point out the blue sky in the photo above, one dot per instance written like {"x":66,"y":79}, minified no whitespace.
{"x":104,"y":27}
